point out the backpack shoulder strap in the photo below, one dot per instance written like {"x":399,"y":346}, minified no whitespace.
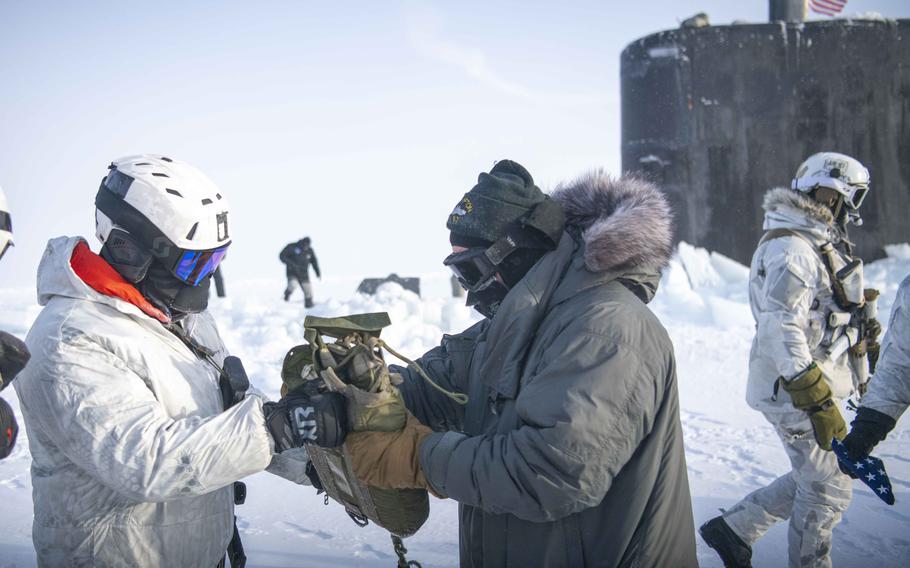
{"x":774,"y":234}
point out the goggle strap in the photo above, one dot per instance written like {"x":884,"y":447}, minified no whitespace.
{"x":502,"y":248}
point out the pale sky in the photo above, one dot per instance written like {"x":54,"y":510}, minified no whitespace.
{"x":359,"y":124}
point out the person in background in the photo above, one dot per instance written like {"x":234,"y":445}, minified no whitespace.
{"x":139,"y":422}
{"x":14,"y":354}
{"x":804,"y":289}
{"x":569,"y":451}
{"x":297,"y":258}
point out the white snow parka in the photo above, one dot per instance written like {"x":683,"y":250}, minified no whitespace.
{"x":133,"y":455}
{"x":791,"y":296}
{"x":889,"y":391}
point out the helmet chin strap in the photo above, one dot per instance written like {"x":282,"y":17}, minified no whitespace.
{"x":841,"y":219}
{"x":840,"y":211}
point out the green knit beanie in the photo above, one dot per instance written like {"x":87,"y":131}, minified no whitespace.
{"x":500,"y":198}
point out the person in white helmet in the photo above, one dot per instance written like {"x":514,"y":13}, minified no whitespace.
{"x":14,"y":354}
{"x":805,"y":287}
{"x":138,"y":422}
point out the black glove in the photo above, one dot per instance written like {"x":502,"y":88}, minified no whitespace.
{"x":303,"y":418}
{"x":868,"y":429}
{"x":13,"y":357}
{"x":8,"y":429}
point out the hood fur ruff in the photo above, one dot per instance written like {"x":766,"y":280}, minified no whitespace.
{"x":783,"y":199}
{"x":626,"y":223}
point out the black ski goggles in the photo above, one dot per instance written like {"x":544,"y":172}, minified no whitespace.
{"x":194,"y":266}
{"x":473,"y":268}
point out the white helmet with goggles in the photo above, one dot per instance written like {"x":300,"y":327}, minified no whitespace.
{"x":167,"y":209}
{"x":838,"y":172}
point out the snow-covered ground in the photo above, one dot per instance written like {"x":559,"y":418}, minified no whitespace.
{"x":730,"y":448}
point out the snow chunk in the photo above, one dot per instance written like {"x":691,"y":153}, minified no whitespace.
{"x":899,"y":252}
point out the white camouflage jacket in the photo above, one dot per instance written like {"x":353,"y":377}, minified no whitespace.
{"x":791,"y":296}
{"x":133,"y":456}
{"x":889,"y":391}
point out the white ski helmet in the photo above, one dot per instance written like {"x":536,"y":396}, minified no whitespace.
{"x":6,"y":225}
{"x":173,"y":210}
{"x":839,"y":172}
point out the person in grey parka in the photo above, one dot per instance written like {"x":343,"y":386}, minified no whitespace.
{"x":569,"y":451}
{"x":889,"y":392}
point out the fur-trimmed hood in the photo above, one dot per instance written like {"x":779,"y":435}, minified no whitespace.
{"x":786,"y":208}
{"x":783,"y":199}
{"x":625,"y":223}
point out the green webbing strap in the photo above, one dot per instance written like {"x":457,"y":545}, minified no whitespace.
{"x":458,"y":397}
{"x":364,"y":324}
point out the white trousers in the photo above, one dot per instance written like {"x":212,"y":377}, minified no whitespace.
{"x":812,"y":495}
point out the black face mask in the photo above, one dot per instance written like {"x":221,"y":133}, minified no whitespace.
{"x":487,"y":301}
{"x":172,"y":296}
{"x":155,"y":282}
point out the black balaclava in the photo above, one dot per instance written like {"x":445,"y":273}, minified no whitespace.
{"x":172,"y":296}
{"x":154,"y":281}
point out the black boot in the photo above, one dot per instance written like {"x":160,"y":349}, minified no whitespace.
{"x":308,"y":303}
{"x":287,"y":296}
{"x":732,"y":550}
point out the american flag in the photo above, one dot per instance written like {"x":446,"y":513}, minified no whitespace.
{"x":869,"y":470}
{"x":827,"y":7}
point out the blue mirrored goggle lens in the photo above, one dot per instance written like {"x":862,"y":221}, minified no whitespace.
{"x":194,"y":266}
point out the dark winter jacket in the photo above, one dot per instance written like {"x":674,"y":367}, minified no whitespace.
{"x":298,"y":258}
{"x":570,"y":450}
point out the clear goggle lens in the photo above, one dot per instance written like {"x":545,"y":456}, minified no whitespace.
{"x":859,"y":195}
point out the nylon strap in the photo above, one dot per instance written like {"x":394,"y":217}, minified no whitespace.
{"x":781,"y":233}
{"x":458,"y":397}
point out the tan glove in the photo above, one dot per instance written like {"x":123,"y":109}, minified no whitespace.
{"x":810,"y":393}
{"x":390,"y":460}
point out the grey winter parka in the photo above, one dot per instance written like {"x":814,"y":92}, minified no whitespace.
{"x":570,"y":451}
